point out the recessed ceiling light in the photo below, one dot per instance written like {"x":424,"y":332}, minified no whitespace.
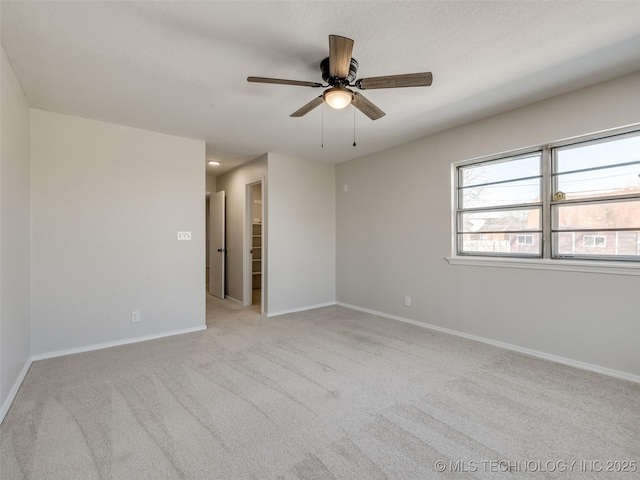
{"x":213,"y":162}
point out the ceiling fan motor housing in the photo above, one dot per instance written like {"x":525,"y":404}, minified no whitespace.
{"x":338,"y":82}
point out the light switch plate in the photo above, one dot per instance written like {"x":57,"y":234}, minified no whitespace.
{"x":184,"y":235}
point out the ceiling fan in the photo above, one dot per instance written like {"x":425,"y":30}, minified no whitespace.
{"x":339,"y":71}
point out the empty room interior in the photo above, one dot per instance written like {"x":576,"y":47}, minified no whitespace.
{"x":319,"y":240}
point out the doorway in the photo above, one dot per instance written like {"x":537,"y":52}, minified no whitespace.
{"x":255,"y":246}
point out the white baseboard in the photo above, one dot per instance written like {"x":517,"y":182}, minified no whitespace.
{"x":14,"y":390}
{"x":301,"y":309}
{"x":117,"y":343}
{"x":527,"y":351}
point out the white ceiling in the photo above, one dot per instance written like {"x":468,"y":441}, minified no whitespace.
{"x":180,"y":67}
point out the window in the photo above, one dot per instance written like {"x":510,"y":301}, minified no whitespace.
{"x":524,"y":240}
{"x":578,"y":200}
{"x":594,"y":241}
{"x":499,"y":200}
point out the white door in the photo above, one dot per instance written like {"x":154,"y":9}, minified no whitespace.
{"x":217,"y":250}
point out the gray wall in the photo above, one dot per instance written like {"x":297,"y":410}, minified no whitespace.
{"x":210,"y":183}
{"x":15,"y":243}
{"x":107,"y":203}
{"x":233,"y":183}
{"x":394,"y":232}
{"x":301,"y":234}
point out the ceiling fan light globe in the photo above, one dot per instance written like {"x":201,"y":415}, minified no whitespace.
{"x":338,"y":97}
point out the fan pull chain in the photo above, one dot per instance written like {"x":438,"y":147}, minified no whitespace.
{"x":322,"y":139}
{"x":354,"y":126}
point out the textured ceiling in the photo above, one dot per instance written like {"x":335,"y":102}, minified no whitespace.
{"x":181,"y":67}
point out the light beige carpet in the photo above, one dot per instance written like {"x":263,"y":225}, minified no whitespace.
{"x":329,"y":393}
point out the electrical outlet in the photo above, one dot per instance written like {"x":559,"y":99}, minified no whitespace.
{"x":407,"y":300}
{"x":184,"y":236}
{"x":135,"y":316}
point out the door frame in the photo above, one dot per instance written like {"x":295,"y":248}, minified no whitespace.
{"x":247,"y":235}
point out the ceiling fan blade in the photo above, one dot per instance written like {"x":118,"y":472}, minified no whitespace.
{"x":395,"y":81}
{"x":308,"y":107}
{"x":283,"y":82}
{"x":365,"y":106}
{"x":340,"y":49}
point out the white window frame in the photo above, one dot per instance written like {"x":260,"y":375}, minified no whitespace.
{"x":514,"y":156}
{"x":548,"y":261}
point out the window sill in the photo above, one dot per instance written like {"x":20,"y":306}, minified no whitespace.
{"x":588,"y":266}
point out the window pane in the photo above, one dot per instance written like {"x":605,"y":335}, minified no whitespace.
{"x":609,"y":151}
{"x":598,"y":215}
{"x":511,"y":193}
{"x":625,"y":243}
{"x":500,"y":243}
{"x":500,"y":170}
{"x":500,"y":220}
{"x":600,"y":183}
